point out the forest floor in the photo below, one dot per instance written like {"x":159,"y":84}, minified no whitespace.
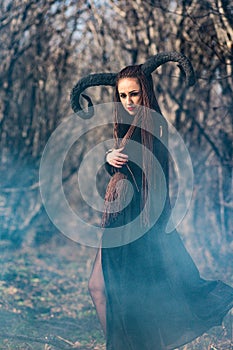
{"x":44,"y":301}
{"x":45,"y":305}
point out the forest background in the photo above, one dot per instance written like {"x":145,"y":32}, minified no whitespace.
{"x":46,"y":46}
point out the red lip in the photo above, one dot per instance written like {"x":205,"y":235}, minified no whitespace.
{"x":130,"y":108}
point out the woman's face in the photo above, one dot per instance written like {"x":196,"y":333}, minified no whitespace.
{"x":130,"y":94}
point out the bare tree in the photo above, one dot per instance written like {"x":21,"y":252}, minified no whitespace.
{"x":36,"y":46}
{"x":46,"y":48}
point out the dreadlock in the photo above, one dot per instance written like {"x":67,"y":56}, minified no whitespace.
{"x":149,"y":101}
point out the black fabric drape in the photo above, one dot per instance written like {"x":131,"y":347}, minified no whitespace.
{"x":156,"y":299}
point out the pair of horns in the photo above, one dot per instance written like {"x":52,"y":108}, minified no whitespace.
{"x":110,"y":79}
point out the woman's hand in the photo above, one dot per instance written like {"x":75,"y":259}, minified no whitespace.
{"x":116,"y":158}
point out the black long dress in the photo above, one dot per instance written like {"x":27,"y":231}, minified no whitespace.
{"x":156,"y":299}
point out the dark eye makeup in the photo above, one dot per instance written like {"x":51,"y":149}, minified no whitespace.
{"x":123,"y":95}
{"x":134,"y":93}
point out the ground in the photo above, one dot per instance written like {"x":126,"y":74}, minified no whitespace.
{"x":45,"y":304}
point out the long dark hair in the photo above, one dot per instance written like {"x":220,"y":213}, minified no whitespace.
{"x":148,"y":100}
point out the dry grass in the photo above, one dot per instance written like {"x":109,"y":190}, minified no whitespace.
{"x":44,"y":294}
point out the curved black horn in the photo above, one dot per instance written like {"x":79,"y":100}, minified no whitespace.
{"x":84,"y":83}
{"x":110,"y":79}
{"x":183,"y":63}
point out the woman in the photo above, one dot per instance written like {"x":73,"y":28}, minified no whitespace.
{"x":146,"y":289}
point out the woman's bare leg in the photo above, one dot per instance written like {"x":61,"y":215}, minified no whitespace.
{"x":97,"y":291}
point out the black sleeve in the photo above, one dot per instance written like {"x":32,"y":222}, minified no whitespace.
{"x":110,"y":169}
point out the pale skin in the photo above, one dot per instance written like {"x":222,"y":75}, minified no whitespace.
{"x":130,"y":97}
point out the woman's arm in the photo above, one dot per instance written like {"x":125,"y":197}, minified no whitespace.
{"x":160,"y":144}
{"x":160,"y":184}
